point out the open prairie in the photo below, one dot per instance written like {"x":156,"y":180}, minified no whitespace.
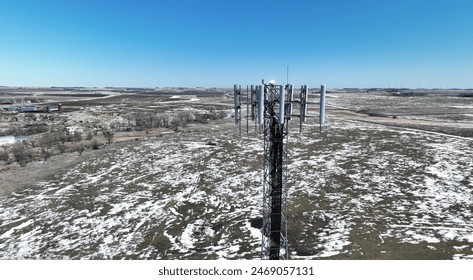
{"x":389,"y":177}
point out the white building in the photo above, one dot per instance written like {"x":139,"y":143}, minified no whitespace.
{"x":7,"y":140}
{"x":74,"y":129}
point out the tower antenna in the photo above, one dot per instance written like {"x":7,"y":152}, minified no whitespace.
{"x":272,"y":107}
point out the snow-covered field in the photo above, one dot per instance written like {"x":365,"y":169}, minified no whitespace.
{"x":367,"y":191}
{"x":355,"y":191}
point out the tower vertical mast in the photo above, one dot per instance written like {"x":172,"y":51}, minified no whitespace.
{"x":274,"y":244}
{"x":271,"y":109}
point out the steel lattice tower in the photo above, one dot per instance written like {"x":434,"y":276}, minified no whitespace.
{"x":274,"y":241}
{"x":272,"y":108}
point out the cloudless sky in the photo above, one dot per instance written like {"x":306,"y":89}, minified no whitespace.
{"x":145,"y":43}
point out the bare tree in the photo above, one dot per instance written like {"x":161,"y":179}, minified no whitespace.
{"x":108,"y":135}
{"x":62,"y":148}
{"x":4,"y":156}
{"x":95,"y":145}
{"x":45,"y":153}
{"x":76,"y":136}
{"x":21,"y":154}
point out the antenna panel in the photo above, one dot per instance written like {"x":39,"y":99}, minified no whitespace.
{"x":252,"y":102}
{"x":303,"y":101}
{"x":306,"y":104}
{"x":282,"y":95}
{"x":236,"y":100}
{"x":290,"y":97}
{"x":322,"y":104}
{"x":260,"y":90}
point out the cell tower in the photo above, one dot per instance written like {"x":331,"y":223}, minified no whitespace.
{"x":272,"y":107}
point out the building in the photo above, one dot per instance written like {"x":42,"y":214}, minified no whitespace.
{"x":20,"y":139}
{"x":74,"y":129}
{"x":7,"y":140}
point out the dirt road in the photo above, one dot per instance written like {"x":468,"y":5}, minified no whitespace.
{"x":464,"y":129}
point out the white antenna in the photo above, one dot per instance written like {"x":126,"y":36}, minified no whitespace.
{"x":303,"y":106}
{"x":322,"y":106}
{"x":282,"y":94}
{"x":247,"y":109}
{"x":236,"y":102}
{"x":252,"y":101}
{"x":306,"y":104}
{"x":260,"y":90}
{"x":290,"y":97}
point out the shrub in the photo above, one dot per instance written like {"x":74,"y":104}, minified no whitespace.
{"x":21,"y":154}
{"x":62,"y":148}
{"x":76,"y":137}
{"x":4,"y":156}
{"x":36,"y":129}
{"x":95,"y":145}
{"x":108,"y":135}
{"x":45,"y":153}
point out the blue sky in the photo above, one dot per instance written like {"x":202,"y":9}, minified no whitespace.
{"x":341,"y":43}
